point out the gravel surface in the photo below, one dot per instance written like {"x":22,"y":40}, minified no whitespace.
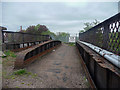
{"x":61,"y":68}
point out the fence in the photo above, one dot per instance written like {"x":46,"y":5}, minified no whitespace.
{"x":16,"y":40}
{"x":20,"y":37}
{"x":105,"y":35}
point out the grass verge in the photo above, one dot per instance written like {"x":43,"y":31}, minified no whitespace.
{"x":9,"y":53}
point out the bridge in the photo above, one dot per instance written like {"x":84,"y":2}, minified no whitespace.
{"x":96,"y":55}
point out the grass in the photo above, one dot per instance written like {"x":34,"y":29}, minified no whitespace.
{"x":20,"y":72}
{"x":9,"y":53}
{"x":71,"y":44}
{"x":17,"y":73}
{"x":24,"y":72}
{"x":17,"y":87}
{"x":87,"y":83}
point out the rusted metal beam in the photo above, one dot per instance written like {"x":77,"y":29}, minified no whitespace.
{"x":113,"y":58}
{"x":89,"y":78}
{"x":29,"y":55}
{"x":103,"y":73}
{"x":16,"y":46}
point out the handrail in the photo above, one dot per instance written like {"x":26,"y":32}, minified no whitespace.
{"x":113,"y":58}
{"x":105,"y":35}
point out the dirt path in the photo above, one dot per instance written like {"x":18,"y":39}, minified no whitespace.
{"x":60,"y":68}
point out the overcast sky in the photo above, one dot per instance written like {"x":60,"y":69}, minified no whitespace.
{"x":58,"y":17}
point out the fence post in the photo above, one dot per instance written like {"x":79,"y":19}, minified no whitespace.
{"x":1,"y":41}
{"x":2,"y":38}
{"x":23,"y":39}
{"x":105,"y":36}
{"x":12,"y":37}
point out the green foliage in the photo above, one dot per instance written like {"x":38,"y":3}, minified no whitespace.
{"x":71,"y":44}
{"x":48,"y":33}
{"x":24,"y":72}
{"x":17,"y":87}
{"x":9,"y":53}
{"x":62,"y":36}
{"x":20,"y":72}
{"x":81,"y":31}
{"x":89,"y":25}
{"x":38,"y":29}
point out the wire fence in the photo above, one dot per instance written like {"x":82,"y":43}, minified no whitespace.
{"x":105,"y":35}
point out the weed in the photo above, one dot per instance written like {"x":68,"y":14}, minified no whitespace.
{"x":22,"y":83}
{"x":28,"y":84}
{"x":20,"y":72}
{"x":17,"y":87}
{"x":3,"y":56}
{"x":71,"y":44}
{"x":0,"y":62}
{"x":9,"y":53}
{"x":24,"y":72}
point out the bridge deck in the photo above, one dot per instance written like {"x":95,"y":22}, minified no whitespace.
{"x":60,"y":68}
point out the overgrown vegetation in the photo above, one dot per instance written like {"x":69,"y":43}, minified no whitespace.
{"x":89,"y":25}
{"x":9,"y":53}
{"x":71,"y":44}
{"x":24,"y":72}
{"x":20,"y":72}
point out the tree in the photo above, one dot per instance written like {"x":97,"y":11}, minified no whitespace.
{"x":89,"y":25}
{"x":81,"y":31}
{"x":62,"y":36}
{"x":38,"y":29}
{"x":31,"y":29}
{"x":48,"y":33}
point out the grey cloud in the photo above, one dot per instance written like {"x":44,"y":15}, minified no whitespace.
{"x":68,"y":17}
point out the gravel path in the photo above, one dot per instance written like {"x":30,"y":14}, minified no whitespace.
{"x":60,"y":68}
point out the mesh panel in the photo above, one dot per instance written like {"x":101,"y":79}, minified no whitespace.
{"x":17,"y":37}
{"x":105,"y":35}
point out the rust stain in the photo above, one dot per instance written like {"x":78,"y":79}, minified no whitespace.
{"x":101,"y":60}
{"x":20,"y":59}
{"x":92,"y":85}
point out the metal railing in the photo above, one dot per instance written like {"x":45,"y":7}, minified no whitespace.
{"x":105,"y":35}
{"x":20,"y":37}
{"x":18,"y":41}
